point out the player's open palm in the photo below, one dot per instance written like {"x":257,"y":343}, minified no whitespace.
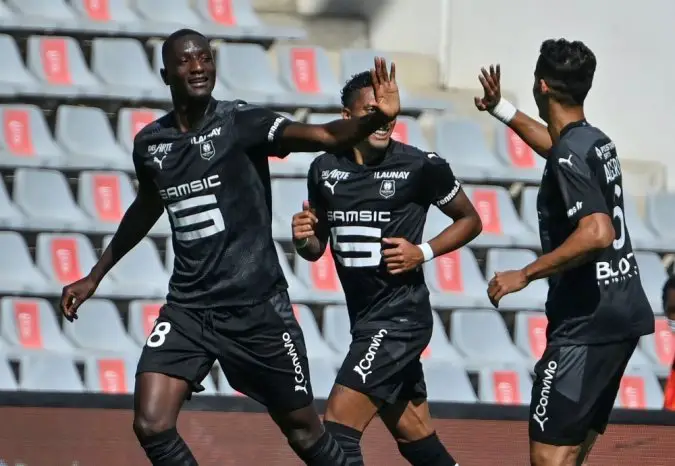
{"x":303,"y":223}
{"x":400,"y":255}
{"x":492,"y":92}
{"x":75,"y":294}
{"x":385,"y":88}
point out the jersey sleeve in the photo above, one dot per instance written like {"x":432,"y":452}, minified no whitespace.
{"x":259,"y":130}
{"x":439,"y":183}
{"x":313,"y":188}
{"x":142,"y":175}
{"x":579,"y":187}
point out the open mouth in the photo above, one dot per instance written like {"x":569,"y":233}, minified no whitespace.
{"x":201,"y":81}
{"x":382,"y":133}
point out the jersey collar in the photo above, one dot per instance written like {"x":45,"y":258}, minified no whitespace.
{"x":210,"y":110}
{"x":571,"y":126}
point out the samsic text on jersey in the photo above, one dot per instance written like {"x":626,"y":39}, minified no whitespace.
{"x":601,"y":300}
{"x":215,"y":184}
{"x":363,"y":204}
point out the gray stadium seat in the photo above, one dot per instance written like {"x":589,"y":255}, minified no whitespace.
{"x":130,"y":121}
{"x":141,"y":318}
{"x":337,"y":329}
{"x":530,"y":335}
{"x":320,"y":278}
{"x":482,"y":337}
{"x":532,"y":297}
{"x":528,"y":208}
{"x":659,"y":347}
{"x":322,"y":374}
{"x":296,"y":164}
{"x":296,"y":289}
{"x":59,"y":64}
{"x":408,"y":131}
{"x":30,"y":324}
{"x":99,"y":329}
{"x":640,"y":235}
{"x":18,"y":274}
{"x":307,"y":70}
{"x":13,"y":73}
{"x":439,"y":348}
{"x":171,"y":16}
{"x":355,"y":61}
{"x":316,"y":346}
{"x":455,"y":280}
{"x":140,"y":273}
{"x":526,"y":164}
{"x":322,"y":118}
{"x":124,"y":68}
{"x":653,"y":275}
{"x":7,"y":379}
{"x":209,"y":386}
{"x":25,"y":139}
{"x":10,"y":215}
{"x":169,"y":255}
{"x":504,"y":386}
{"x":639,"y":389}
{"x":289,"y":196}
{"x":86,"y":135}
{"x":52,"y":14}
{"x":114,"y":375}
{"x":114,"y":16}
{"x":640,"y":361}
{"x":105,"y":196}
{"x":660,"y":216}
{"x":49,"y":372}
{"x":65,"y":258}
{"x":448,"y":383}
{"x":46,"y":200}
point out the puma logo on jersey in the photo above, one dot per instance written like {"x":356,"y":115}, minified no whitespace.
{"x":393,"y":175}
{"x":331,"y":186}
{"x":567,"y":161}
{"x":159,"y":161}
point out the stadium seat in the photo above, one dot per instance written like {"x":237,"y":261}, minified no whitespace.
{"x":524,"y":162}
{"x":337,"y":329}
{"x":112,"y":16}
{"x":169,"y":17}
{"x":113,"y":375}
{"x":653,"y":275}
{"x":30,"y":325}
{"x":316,"y":346}
{"x":18,"y":274}
{"x":99,"y":329}
{"x":122,"y":65}
{"x":130,"y":121}
{"x":209,"y":386}
{"x":528,"y":208}
{"x":322,"y":118}
{"x":454,"y":280}
{"x":532,"y":297}
{"x":105,"y":196}
{"x":297,"y":291}
{"x":25,"y":139}
{"x":289,"y":195}
{"x":170,"y":256}
{"x":482,"y":337}
{"x":439,"y":348}
{"x":59,"y":64}
{"x":448,"y":383}
{"x":50,"y":15}
{"x":86,"y":136}
{"x":7,"y":379}
{"x":640,"y":235}
{"x":353,"y":61}
{"x":659,"y":216}
{"x":142,"y":315}
{"x":45,"y":198}
{"x":13,"y":73}
{"x":320,"y":278}
{"x":408,"y":131}
{"x":307,"y":71}
{"x":501,"y":225}
{"x":10,"y":215}
{"x":322,"y":374}
{"x":640,"y":361}
{"x":639,"y":389}
{"x":504,"y":386}
{"x":65,"y":258}
{"x":140,"y":273}
{"x":530,"y":335}
{"x":660,"y":347}
{"x":49,"y":372}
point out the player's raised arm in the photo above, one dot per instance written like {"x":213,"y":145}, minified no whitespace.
{"x":534,"y":133}
{"x":141,"y":215}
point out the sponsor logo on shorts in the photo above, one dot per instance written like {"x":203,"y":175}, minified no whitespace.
{"x":364,"y":365}
{"x":300,"y":379}
{"x":540,"y":412}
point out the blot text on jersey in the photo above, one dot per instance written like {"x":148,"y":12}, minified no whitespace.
{"x":334,"y":175}
{"x":199,"y":139}
{"x":366,"y":216}
{"x":185,"y":189}
{"x":391,"y":175}
{"x":160,"y":149}
{"x":612,"y":170}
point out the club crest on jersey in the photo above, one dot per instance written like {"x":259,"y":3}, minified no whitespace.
{"x":334,"y":174}
{"x":207,"y":150}
{"x":387,"y":188}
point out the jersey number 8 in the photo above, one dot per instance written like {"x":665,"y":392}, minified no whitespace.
{"x":158,"y":335}
{"x":372,"y":248}
{"x":618,"y":214}
{"x":211,"y":216}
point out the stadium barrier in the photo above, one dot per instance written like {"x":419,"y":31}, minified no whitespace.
{"x":48,"y":429}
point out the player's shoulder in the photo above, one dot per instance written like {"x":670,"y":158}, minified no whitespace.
{"x":327,"y":161}
{"x":583,"y":140}
{"x":415,"y":156}
{"x":154,"y":129}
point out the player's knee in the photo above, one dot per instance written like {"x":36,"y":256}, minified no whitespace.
{"x":147,"y":424}
{"x":412,"y":428}
{"x":302,"y":437}
{"x":549,"y":455}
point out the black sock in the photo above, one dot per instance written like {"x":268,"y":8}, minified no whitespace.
{"x":428,"y":451}
{"x":167,"y":448}
{"x":325,"y":452}
{"x":350,"y":441}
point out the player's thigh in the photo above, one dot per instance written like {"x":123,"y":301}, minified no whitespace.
{"x":263,"y":355}
{"x":158,"y":399}
{"x":408,"y":420}
{"x":350,"y":408}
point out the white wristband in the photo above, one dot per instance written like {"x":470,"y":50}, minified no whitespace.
{"x":427,"y":252}
{"x":504,"y":111}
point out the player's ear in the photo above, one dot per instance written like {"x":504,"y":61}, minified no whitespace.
{"x":346,"y":113}
{"x":543,"y":87}
{"x":162,"y":73}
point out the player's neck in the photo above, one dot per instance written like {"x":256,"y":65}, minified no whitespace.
{"x":190,"y":113}
{"x":560,"y":116}
{"x":367,"y":155}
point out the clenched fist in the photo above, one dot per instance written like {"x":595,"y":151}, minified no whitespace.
{"x":303,"y":223}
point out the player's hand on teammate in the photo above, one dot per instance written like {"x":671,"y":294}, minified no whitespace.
{"x":400,"y":255}
{"x":75,"y":294}
{"x":303,"y":223}
{"x":504,"y":283}
{"x":492,"y":91}
{"x":385,"y":88}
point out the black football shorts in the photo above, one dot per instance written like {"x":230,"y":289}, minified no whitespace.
{"x":574,"y":390}
{"x":260,"y":348}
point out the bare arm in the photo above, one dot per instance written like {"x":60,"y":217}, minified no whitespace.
{"x":310,"y":232}
{"x":465,"y":227}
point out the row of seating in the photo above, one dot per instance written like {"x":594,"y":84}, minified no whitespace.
{"x":216,"y":18}
{"x":55,"y":66}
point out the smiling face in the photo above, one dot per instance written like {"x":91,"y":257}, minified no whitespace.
{"x":362,"y":104}
{"x":190,"y":70}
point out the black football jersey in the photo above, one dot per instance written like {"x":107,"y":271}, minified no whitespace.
{"x":215,"y":184}
{"x":603,"y":299}
{"x":363,"y":204}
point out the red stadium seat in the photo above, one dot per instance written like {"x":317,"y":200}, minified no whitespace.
{"x":400,"y":132}
{"x":304,"y":72}
{"x":55,"y":61}
{"x":107,"y":197}
{"x":150,"y":314}
{"x":449,"y":272}
{"x":27,"y":317}
{"x":17,"y":132}
{"x":487,"y":205}
{"x":665,"y":342}
{"x":112,"y":376}
{"x":324,"y":276}
{"x":506,"y":387}
{"x":521,"y":154}
{"x":537,"y":334}
{"x":632,"y":392}
{"x":221,"y":12}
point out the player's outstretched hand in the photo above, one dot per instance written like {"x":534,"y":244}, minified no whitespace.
{"x":303,"y":223}
{"x":400,"y":255}
{"x":492,"y":91}
{"x":504,"y":283}
{"x":75,"y":294}
{"x":385,"y":88}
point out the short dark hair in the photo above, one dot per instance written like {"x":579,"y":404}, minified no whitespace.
{"x":669,"y":285}
{"x":353,"y":85}
{"x":568,"y":69}
{"x":179,"y":34}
